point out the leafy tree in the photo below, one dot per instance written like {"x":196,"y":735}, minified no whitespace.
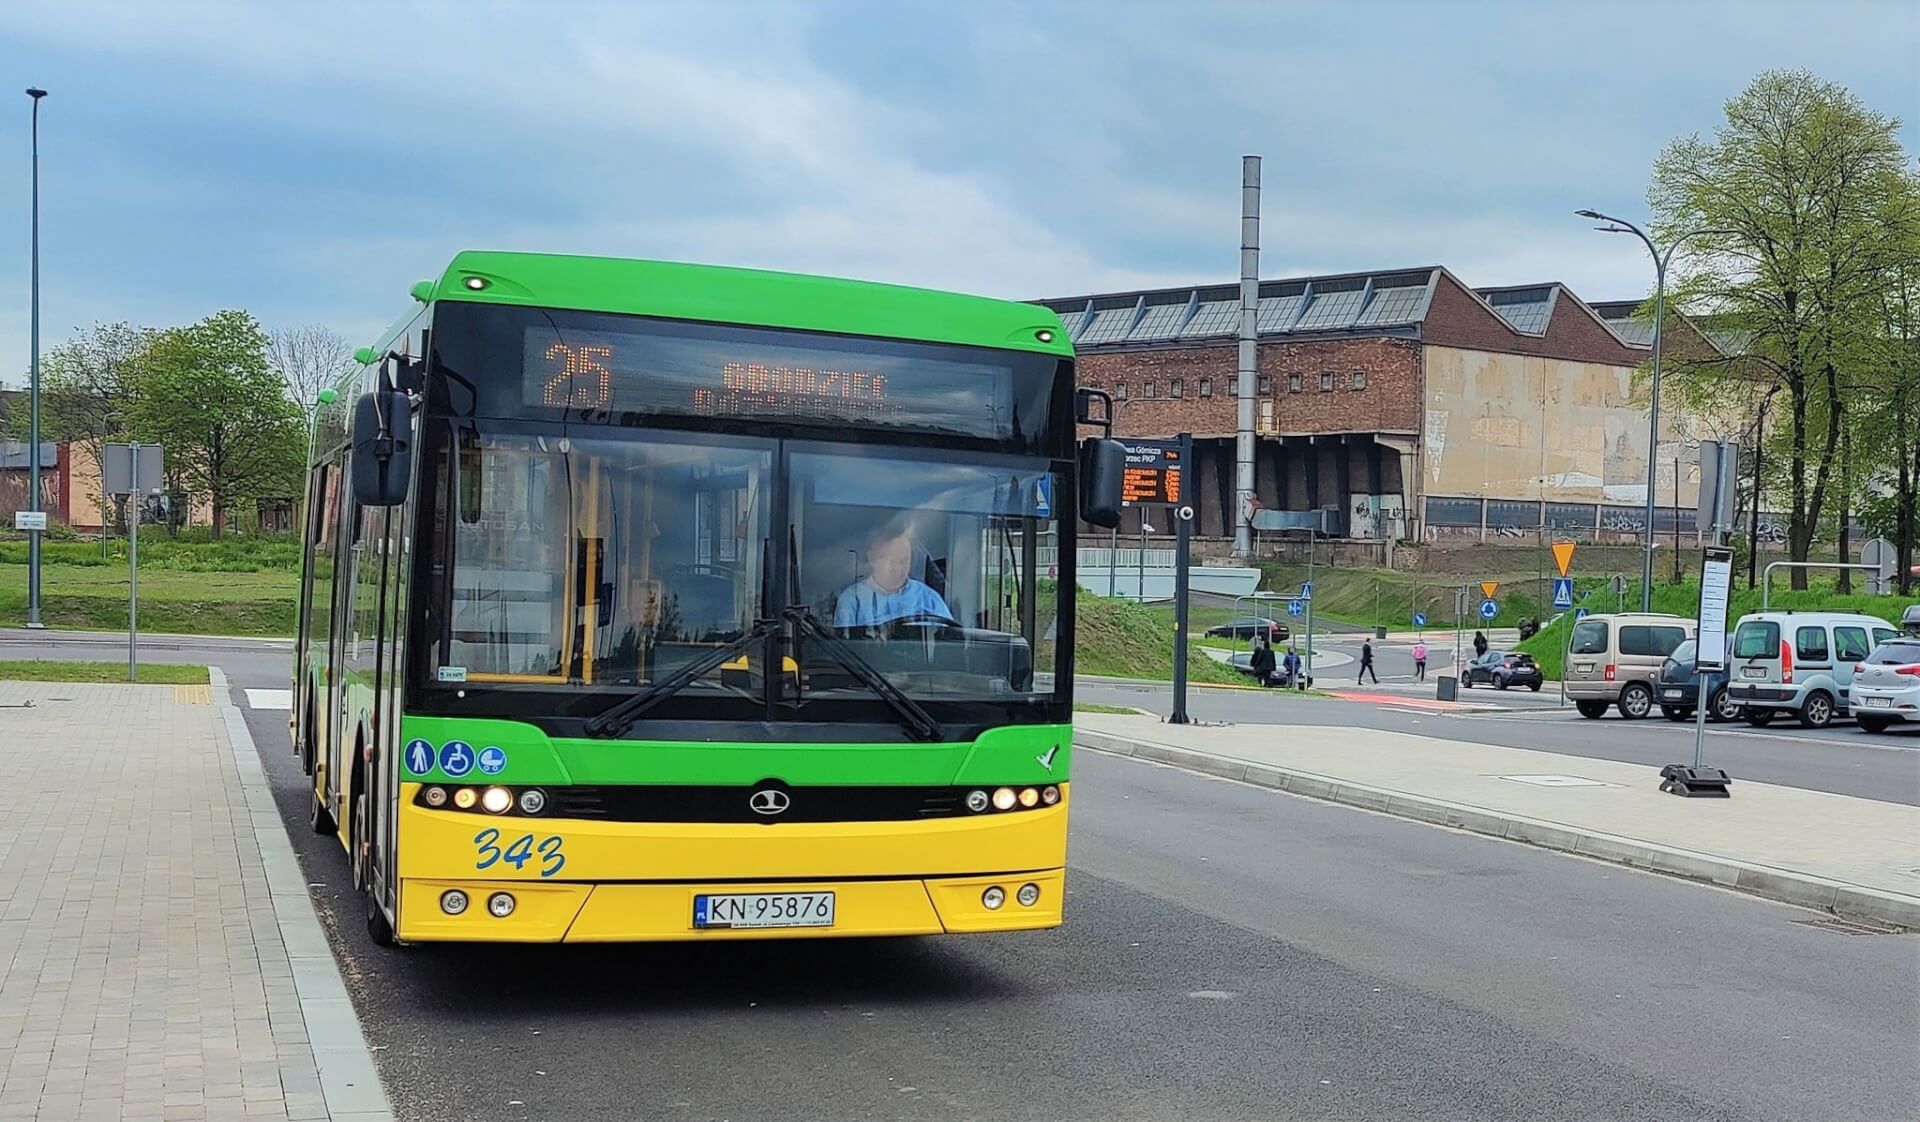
{"x":1786,"y":205}
{"x":87,"y":388}
{"x":1888,"y":414}
{"x":308,"y":359}
{"x":209,"y":396}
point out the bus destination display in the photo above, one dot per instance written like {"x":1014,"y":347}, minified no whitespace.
{"x":663,"y":373}
{"x":1153,"y":474}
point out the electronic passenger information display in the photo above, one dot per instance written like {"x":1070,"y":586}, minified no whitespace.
{"x":1153,"y":475}
{"x":690,"y":375}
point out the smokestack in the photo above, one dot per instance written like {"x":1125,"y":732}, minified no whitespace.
{"x":1249,"y":378}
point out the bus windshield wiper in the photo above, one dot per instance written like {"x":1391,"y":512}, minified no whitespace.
{"x":618,"y":718}
{"x":920,"y":724}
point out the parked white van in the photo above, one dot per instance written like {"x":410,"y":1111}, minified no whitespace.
{"x":1800,"y":663}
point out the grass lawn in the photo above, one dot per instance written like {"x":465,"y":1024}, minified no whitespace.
{"x":94,"y":598}
{"x":1121,"y":639}
{"x":1089,"y":707}
{"x":42,"y":670}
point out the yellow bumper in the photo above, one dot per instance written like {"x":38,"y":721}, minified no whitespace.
{"x":555,"y":912}
{"x":575,"y":880}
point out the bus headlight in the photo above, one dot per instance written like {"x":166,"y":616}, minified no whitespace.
{"x":496,"y":800}
{"x":533,"y":802}
{"x":993,"y":897}
{"x":465,"y":797}
{"x":1004,"y":798}
{"x":453,"y":901}
{"x":1029,"y":797}
{"x":500,"y":904}
{"x":1029,"y":895}
{"x":436,"y":796}
{"x":1050,"y":795}
{"x":977,"y":801}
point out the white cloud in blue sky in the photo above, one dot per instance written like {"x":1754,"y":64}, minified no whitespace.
{"x":307,"y":162}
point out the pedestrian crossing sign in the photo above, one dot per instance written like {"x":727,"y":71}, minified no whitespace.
{"x":1563,"y":592}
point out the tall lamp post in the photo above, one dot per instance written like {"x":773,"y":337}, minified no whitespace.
{"x":1660,"y":263}
{"x":33,"y":381}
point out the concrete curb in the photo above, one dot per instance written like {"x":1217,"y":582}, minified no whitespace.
{"x":1785,"y":885}
{"x":348,"y":1080}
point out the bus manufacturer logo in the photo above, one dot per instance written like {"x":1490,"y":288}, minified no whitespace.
{"x":769,"y":802}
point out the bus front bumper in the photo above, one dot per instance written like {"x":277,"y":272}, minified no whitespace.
{"x":573,"y":912}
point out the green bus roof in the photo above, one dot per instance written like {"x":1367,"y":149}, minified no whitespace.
{"x":718,"y":294}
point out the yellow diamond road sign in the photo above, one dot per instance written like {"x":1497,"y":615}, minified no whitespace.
{"x":1488,"y":588}
{"x":1563,"y":556}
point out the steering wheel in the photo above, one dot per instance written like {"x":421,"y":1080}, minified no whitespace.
{"x":920,"y":619}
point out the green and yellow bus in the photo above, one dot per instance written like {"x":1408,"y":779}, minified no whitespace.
{"x":649,"y":601}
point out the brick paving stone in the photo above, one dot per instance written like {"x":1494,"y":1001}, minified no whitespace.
{"x":143,"y":975}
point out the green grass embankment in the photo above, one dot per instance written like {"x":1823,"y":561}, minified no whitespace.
{"x":1549,"y":646}
{"x":192,"y":583}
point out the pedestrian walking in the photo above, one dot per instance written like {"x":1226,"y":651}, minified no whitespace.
{"x":1366,"y":663}
{"x":1290,"y":668}
{"x":1420,"y":659}
{"x":1479,"y":644}
{"x":1262,"y":662}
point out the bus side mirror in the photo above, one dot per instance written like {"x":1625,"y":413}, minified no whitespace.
{"x":1103,"y":463}
{"x":382,"y":461}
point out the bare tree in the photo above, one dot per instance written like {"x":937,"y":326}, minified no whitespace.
{"x":308,"y":359}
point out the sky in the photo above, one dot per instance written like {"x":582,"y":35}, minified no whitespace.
{"x":308,"y":162}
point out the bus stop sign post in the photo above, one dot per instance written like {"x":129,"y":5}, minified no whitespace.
{"x":1710,"y":645}
{"x":132,"y":470}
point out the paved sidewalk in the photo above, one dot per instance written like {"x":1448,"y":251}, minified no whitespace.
{"x":1858,"y":857}
{"x":159,"y":954}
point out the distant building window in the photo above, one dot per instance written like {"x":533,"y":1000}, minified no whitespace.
{"x":1266,"y":384}
{"x":1206,"y":387}
{"x":1147,"y":390}
{"x":1173,"y":388}
{"x":1326,"y":381}
{"x":1120,"y":391}
{"x":1359,"y":379}
{"x":1293,"y":383}
{"x":1233,"y":385}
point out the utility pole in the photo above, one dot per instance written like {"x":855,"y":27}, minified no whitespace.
{"x":1248,"y":364}
{"x":33,"y":382}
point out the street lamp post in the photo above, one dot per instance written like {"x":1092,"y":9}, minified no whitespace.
{"x":33,"y":379}
{"x":1660,"y":262}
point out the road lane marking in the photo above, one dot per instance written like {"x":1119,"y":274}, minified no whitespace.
{"x":269,"y":699}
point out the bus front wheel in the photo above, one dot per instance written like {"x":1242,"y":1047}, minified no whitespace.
{"x":320,"y":815}
{"x":378,"y":929}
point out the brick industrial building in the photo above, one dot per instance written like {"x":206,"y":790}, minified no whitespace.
{"x":1404,"y":403}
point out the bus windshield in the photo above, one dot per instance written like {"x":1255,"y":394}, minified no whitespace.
{"x":614,"y":561}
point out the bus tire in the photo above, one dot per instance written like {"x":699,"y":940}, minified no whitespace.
{"x":378,"y":929}
{"x":319,"y":814}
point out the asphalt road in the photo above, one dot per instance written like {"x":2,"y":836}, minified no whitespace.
{"x":1230,"y":953}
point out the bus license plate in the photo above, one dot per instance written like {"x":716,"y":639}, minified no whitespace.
{"x":764,"y":909}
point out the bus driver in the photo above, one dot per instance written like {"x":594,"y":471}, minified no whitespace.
{"x":888,"y":593}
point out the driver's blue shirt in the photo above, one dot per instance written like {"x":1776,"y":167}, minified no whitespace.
{"x":863,"y":605}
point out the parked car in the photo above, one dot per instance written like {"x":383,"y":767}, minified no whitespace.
{"x":1910,"y":621}
{"x":1504,"y":670}
{"x":1800,"y":663}
{"x":1886,"y":686}
{"x":1612,"y":660}
{"x":1246,"y":627}
{"x":1678,"y":686}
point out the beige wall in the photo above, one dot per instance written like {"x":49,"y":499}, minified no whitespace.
{"x":1505,"y":426}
